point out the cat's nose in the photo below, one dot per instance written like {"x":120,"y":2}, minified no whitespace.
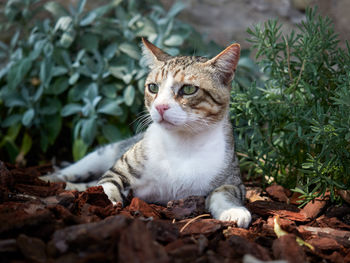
{"x":162,"y":108}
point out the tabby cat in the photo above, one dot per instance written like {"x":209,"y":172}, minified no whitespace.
{"x":187,"y":150}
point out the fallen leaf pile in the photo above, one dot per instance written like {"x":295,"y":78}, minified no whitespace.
{"x":42,"y":222}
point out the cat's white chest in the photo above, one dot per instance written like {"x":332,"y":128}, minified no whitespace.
{"x":178,"y":168}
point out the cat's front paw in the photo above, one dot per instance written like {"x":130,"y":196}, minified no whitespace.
{"x":112,"y":192}
{"x":240,"y":215}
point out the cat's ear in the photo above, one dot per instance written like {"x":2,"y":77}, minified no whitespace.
{"x":226,"y":62}
{"x":153,"y":54}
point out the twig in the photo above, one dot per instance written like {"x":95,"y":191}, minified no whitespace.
{"x":245,"y":155}
{"x":192,"y":220}
{"x":242,"y":154}
{"x":301,"y":71}
{"x":288,"y":58}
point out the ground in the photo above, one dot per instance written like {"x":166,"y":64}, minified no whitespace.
{"x":41,"y":222}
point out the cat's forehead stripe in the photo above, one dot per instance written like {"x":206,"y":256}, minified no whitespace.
{"x":175,"y":73}
{"x":182,"y":78}
{"x":169,"y":81}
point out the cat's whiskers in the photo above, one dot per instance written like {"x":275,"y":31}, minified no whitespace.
{"x":140,"y":128}
{"x":143,"y":123}
{"x":140,"y":116}
{"x":198,"y":122}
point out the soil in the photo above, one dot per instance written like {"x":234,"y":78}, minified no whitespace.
{"x":42,"y":222}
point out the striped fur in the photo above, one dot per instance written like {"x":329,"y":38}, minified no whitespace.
{"x":189,"y":148}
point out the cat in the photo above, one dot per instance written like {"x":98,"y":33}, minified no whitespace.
{"x":188,"y":149}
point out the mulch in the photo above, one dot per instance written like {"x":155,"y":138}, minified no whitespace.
{"x":42,"y":222}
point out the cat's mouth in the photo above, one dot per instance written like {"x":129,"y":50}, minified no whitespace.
{"x":167,"y":124}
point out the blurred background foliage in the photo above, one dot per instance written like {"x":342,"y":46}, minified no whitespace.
{"x":72,"y":79}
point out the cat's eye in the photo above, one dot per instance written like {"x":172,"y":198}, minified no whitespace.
{"x":188,"y":90}
{"x":153,"y":88}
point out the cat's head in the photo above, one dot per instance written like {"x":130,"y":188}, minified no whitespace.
{"x":189,"y":93}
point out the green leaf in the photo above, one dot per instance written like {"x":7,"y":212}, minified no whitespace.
{"x":15,"y":101}
{"x":26,"y":144}
{"x":18,"y":71}
{"x":58,"y":86}
{"x":66,"y":58}
{"x":172,"y":51}
{"x":44,"y":141}
{"x":100,"y":11}
{"x":38,"y":94}
{"x":71,"y":109}
{"x":12,"y":150}
{"x":117,"y":71}
{"x":111,"y":133}
{"x":81,"y":6}
{"x":88,"y":130}
{"x":46,"y":71}
{"x":247,"y":63}
{"x":13,"y":132}
{"x":110,"y":50}
{"x":74,"y":78}
{"x":127,"y":78}
{"x":52,"y":127}
{"x":131,"y":50}
{"x":11,"y":120}
{"x":14,"y":39}
{"x":56,"y":9}
{"x":148,"y":29}
{"x":174,"y":40}
{"x":38,"y":47}
{"x":176,"y":8}
{"x":28,"y":117}
{"x":64,"y":23}
{"x":91,"y":92}
{"x":67,"y":39}
{"x":50,"y":106}
{"x":110,"y":107}
{"x":110,"y":91}
{"x":48,"y":49}
{"x":141,"y":85}
{"x":88,"y":18}
{"x":89,"y":41}
{"x":58,"y":71}
{"x":79,"y":149}
{"x":4,"y":71}
{"x":129,"y":95}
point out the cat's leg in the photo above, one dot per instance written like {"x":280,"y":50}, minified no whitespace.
{"x":119,"y":179}
{"x":90,"y":168}
{"x":80,"y":186}
{"x":226,"y":203}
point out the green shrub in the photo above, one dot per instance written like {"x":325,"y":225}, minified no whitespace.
{"x":77,"y":73}
{"x":295,"y":124}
